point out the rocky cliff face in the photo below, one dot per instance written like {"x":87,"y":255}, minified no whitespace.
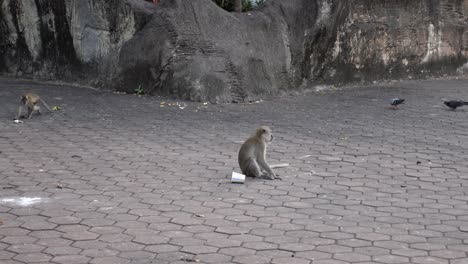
{"x":195,"y":50}
{"x":402,"y":38}
{"x":68,"y":40}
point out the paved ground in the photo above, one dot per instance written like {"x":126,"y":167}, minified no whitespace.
{"x":116,"y":178}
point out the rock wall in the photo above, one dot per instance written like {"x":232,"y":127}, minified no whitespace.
{"x":76,"y":41}
{"x":400,"y":38}
{"x":195,"y":50}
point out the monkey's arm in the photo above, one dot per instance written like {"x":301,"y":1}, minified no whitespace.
{"x":30,"y":111}
{"x":44,"y":103}
{"x":20,"y":108}
{"x":264,"y":164}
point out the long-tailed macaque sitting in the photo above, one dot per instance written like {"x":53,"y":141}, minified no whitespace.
{"x":30,"y":101}
{"x":252,"y":154}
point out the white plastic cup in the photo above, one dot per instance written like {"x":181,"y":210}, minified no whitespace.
{"x":237,"y":177}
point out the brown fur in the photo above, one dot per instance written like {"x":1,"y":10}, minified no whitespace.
{"x":252,"y":154}
{"x":30,"y":101}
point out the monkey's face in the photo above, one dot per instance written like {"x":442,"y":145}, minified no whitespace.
{"x":267,"y":135}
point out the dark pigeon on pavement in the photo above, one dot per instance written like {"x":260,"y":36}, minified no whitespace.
{"x":396,"y":101}
{"x":453,"y":104}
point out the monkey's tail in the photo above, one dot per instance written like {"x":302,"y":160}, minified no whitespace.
{"x":281,"y":165}
{"x":44,"y":103}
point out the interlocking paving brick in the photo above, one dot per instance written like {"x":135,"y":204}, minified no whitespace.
{"x":137,"y":255}
{"x":199,"y":249}
{"x":109,"y":260}
{"x":71,"y":259}
{"x":222,"y":243}
{"x":390,"y":259}
{"x":290,"y":260}
{"x":126,"y":246}
{"x":429,"y":260}
{"x":214,"y":258}
{"x":33,"y":257}
{"x":25,"y":248}
{"x":145,"y":184}
{"x":251,"y":259}
{"x":295,"y":247}
{"x":5,"y":255}
{"x":449,"y":254}
{"x":85,"y":235}
{"x":19,"y":240}
{"x":99,"y":252}
{"x":260,"y":245}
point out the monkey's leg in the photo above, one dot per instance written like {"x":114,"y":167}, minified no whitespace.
{"x":253,"y":170}
{"x":19,"y":112}
{"x":30,"y":112}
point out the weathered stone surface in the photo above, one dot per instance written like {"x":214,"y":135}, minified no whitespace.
{"x":69,"y":40}
{"x":195,"y":50}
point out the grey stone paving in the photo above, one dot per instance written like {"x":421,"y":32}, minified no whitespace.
{"x":116,"y":178}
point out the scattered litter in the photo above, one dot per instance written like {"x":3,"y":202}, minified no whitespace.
{"x":281,"y":165}
{"x":59,"y":186}
{"x":189,"y":259}
{"x":305,"y":156}
{"x":76,"y":156}
{"x":418,"y":162}
{"x":181,"y":105}
{"x":324,"y":88}
{"x":22,"y":201}
{"x":17,"y":121}
{"x":199,"y":215}
{"x":237,"y":177}
{"x":56,"y":108}
{"x":205,"y":103}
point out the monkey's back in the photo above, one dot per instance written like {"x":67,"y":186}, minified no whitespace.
{"x":248,"y":151}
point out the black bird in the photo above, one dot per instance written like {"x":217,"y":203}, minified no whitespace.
{"x":453,"y":104}
{"x":396,"y":101}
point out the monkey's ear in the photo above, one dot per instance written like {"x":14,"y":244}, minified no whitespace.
{"x":264,"y":130}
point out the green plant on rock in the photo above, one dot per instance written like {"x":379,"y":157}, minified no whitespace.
{"x":228,"y":5}
{"x":139,"y":90}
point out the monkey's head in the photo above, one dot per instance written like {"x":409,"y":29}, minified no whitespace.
{"x":24,"y":99}
{"x":264,"y":133}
